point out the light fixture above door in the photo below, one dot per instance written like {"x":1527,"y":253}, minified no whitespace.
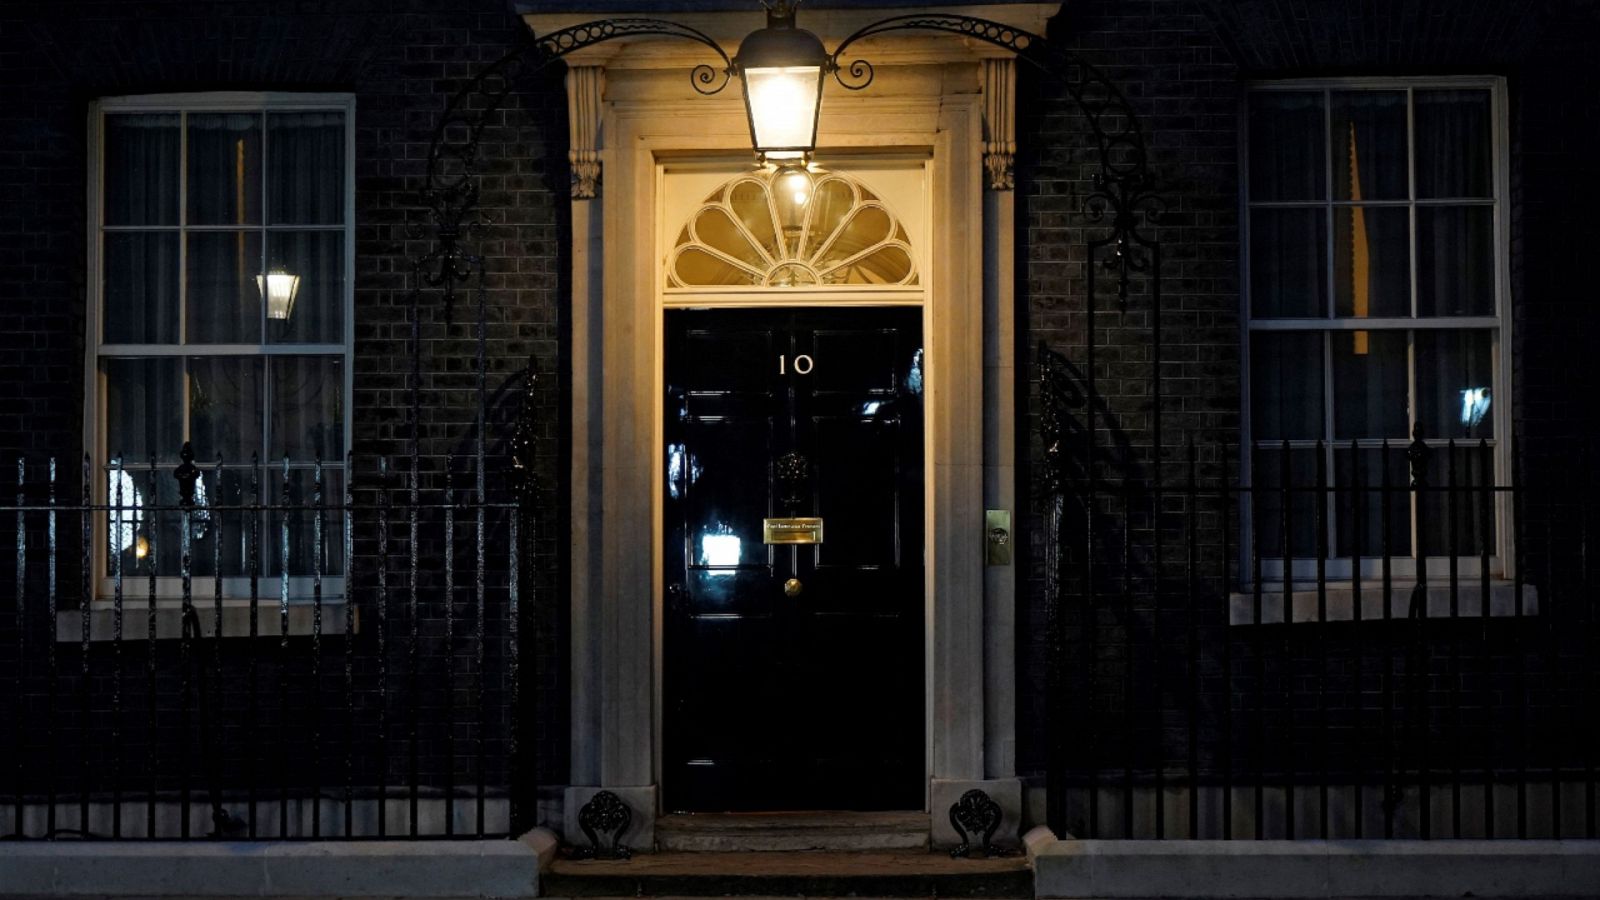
{"x":782,"y":67}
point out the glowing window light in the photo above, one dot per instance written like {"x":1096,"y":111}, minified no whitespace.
{"x":278,"y":289}
{"x":127,"y":519}
{"x":125,"y":502}
{"x":1474,"y":405}
{"x":719,"y":550}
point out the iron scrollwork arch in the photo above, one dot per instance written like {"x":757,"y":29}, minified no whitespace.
{"x":1126,"y":194}
{"x":451,"y":189}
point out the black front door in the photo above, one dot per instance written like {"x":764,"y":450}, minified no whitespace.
{"x":793,"y":672}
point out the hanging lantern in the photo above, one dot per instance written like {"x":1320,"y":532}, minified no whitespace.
{"x":782,"y":68}
{"x":278,"y":289}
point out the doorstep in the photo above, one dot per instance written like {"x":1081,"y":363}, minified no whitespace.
{"x":882,"y":873}
{"x":839,"y":831}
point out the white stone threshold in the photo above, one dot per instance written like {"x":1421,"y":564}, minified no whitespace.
{"x":1286,"y":870}
{"x":432,"y":869}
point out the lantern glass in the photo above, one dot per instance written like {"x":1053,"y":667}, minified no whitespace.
{"x":278,"y":288}
{"x":791,"y":193}
{"x":782,"y":102}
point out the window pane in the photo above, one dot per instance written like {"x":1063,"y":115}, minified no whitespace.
{"x":1461,"y":510}
{"x":1286,"y":146}
{"x":1288,"y":263}
{"x":316,"y":258}
{"x":307,"y":408}
{"x":305,"y":168}
{"x":1455,"y":378}
{"x":1381,"y":518}
{"x":224,"y":533}
{"x":141,"y":170}
{"x":1286,"y":386}
{"x":224,"y":168}
{"x":1369,"y":145}
{"x":1369,"y":384}
{"x":144,"y":408}
{"x":225,"y":407}
{"x":1454,"y":149}
{"x":147,"y":539}
{"x":1455,"y":261}
{"x":302,"y":519}
{"x":1268,"y":503}
{"x":1371,"y":261}
{"x":224,"y":302}
{"x":141,"y":288}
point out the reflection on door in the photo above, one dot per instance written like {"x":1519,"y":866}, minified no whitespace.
{"x":793,"y":657}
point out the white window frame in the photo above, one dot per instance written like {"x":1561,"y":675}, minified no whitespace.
{"x":1402,"y":567}
{"x":236,"y":590}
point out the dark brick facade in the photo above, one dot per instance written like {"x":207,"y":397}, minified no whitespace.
{"x":1268,"y":702}
{"x":402,"y":62}
{"x":1181,"y":62}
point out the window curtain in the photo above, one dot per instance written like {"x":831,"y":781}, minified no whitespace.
{"x":305,"y":168}
{"x":1455,"y":244}
{"x":140,"y":296}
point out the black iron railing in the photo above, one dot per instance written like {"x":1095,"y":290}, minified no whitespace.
{"x":285,"y":651}
{"x":1405,"y":649}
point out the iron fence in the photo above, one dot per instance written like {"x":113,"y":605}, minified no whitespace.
{"x":1400,"y":649}
{"x":286,"y":651}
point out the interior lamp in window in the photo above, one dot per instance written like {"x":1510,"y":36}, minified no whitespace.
{"x":782,"y":68}
{"x":278,"y":289}
{"x":1474,"y":406}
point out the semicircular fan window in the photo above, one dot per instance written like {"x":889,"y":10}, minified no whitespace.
{"x":792,"y":229}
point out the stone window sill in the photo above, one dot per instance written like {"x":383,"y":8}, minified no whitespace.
{"x":169,"y":620}
{"x":1340,"y":600}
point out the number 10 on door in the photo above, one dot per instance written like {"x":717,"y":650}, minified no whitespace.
{"x":801,"y":364}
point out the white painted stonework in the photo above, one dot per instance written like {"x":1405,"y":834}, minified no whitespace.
{"x":934,"y":99}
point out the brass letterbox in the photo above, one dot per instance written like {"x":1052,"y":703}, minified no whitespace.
{"x":804,"y":530}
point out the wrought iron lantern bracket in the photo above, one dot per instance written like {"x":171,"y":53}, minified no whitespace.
{"x":1126,"y":195}
{"x":450,"y":192}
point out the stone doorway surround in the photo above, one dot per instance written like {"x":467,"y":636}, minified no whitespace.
{"x":631,"y":106}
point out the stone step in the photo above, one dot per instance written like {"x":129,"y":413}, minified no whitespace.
{"x":778,"y":832}
{"x":883,"y":873}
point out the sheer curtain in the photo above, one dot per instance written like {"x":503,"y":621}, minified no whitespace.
{"x":140,"y":296}
{"x":305,"y":187}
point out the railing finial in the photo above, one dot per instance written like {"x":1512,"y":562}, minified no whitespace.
{"x":187,"y":474}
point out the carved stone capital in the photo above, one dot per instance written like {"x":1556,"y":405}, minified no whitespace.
{"x":585,"y":86}
{"x":999,"y":122}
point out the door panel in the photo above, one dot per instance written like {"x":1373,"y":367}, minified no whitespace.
{"x":809,"y":701}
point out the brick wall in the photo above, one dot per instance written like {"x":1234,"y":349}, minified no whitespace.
{"x":1168,"y":61}
{"x":1181,"y":62}
{"x":1130,"y":681}
{"x":402,"y":61}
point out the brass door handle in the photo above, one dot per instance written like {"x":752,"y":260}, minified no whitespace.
{"x":792,"y":587}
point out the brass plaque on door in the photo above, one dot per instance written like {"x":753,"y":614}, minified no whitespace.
{"x":804,"y":530}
